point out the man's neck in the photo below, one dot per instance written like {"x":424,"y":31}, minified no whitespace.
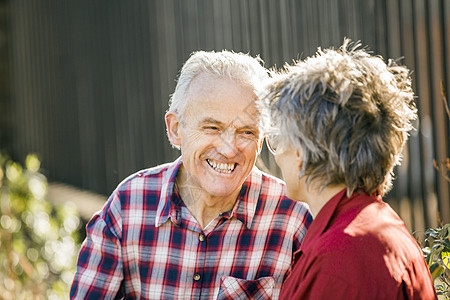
{"x":203,"y":206}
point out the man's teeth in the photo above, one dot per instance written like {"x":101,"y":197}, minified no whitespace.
{"x":221,"y":167}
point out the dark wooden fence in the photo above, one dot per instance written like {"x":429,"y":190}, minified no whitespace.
{"x":90,"y":80}
{"x":5,"y":102}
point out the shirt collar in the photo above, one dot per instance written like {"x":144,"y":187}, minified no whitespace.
{"x":334,"y":207}
{"x":166,"y":209}
{"x":321,"y":221}
{"x":247,"y":201}
{"x":324,"y":216}
{"x":244,"y":209}
{"x":329,"y":211}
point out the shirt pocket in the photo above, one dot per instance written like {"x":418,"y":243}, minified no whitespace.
{"x":235,"y":288}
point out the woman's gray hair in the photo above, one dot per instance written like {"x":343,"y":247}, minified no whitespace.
{"x":226,"y":64}
{"x":348,"y":113}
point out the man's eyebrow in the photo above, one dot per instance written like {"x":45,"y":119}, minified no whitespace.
{"x":252,"y":126}
{"x":211,"y":120}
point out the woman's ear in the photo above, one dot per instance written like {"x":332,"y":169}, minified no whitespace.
{"x":299,"y":159}
{"x":173,"y":127}
{"x":260,"y":144}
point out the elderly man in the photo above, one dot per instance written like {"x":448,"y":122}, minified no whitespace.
{"x":209,"y":225}
{"x":339,"y":122}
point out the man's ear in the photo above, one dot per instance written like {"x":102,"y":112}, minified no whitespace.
{"x":173,"y":127}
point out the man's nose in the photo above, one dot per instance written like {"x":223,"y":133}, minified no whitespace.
{"x":227,"y":144}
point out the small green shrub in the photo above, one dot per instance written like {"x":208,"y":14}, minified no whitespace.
{"x":437,"y":256}
{"x":39,"y":241}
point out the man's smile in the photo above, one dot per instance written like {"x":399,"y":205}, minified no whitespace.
{"x":226,"y":168}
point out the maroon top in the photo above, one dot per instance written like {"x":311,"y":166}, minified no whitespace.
{"x":358,"y":248}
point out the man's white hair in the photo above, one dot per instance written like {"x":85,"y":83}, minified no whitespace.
{"x":241,"y":67}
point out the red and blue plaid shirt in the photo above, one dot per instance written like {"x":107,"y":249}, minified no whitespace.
{"x":144,"y":243}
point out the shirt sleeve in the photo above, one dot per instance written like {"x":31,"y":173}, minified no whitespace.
{"x":99,"y":268}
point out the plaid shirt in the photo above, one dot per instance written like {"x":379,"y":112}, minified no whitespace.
{"x":144,"y":243}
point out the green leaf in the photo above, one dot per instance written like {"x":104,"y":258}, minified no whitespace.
{"x":1,"y":175}
{"x":430,"y":231}
{"x":446,"y":244}
{"x":437,"y":248}
{"x":446,"y":230}
{"x":13,"y":172}
{"x":32,"y":163}
{"x":436,"y":270}
{"x":445,"y":255}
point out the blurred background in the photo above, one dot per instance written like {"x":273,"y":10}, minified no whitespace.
{"x":85,"y":84}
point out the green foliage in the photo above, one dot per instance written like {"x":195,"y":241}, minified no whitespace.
{"x":39,"y":241}
{"x":437,"y":256}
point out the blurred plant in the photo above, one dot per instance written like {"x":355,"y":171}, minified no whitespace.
{"x":437,"y":256}
{"x":437,"y":240}
{"x":39,"y":241}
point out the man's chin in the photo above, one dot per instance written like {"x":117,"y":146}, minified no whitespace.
{"x":220,"y":190}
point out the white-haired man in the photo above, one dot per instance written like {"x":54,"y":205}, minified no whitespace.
{"x":209,"y":225}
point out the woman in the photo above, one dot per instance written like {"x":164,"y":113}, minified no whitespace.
{"x":338,"y":124}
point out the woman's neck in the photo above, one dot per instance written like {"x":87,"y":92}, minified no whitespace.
{"x":317,"y":198}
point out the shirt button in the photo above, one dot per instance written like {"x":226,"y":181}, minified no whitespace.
{"x":197,"y":277}
{"x":201,"y":237}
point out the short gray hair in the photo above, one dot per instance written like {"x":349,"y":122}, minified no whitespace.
{"x":227,"y":64}
{"x":348,"y":113}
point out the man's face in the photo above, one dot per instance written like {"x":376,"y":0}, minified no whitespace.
{"x":218,"y":135}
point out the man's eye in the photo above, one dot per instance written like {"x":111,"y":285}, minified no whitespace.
{"x":211,"y":128}
{"x":248,"y":134}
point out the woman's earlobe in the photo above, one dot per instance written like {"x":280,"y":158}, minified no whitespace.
{"x":173,"y":128}
{"x":299,"y":159}
{"x":260,"y":145}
